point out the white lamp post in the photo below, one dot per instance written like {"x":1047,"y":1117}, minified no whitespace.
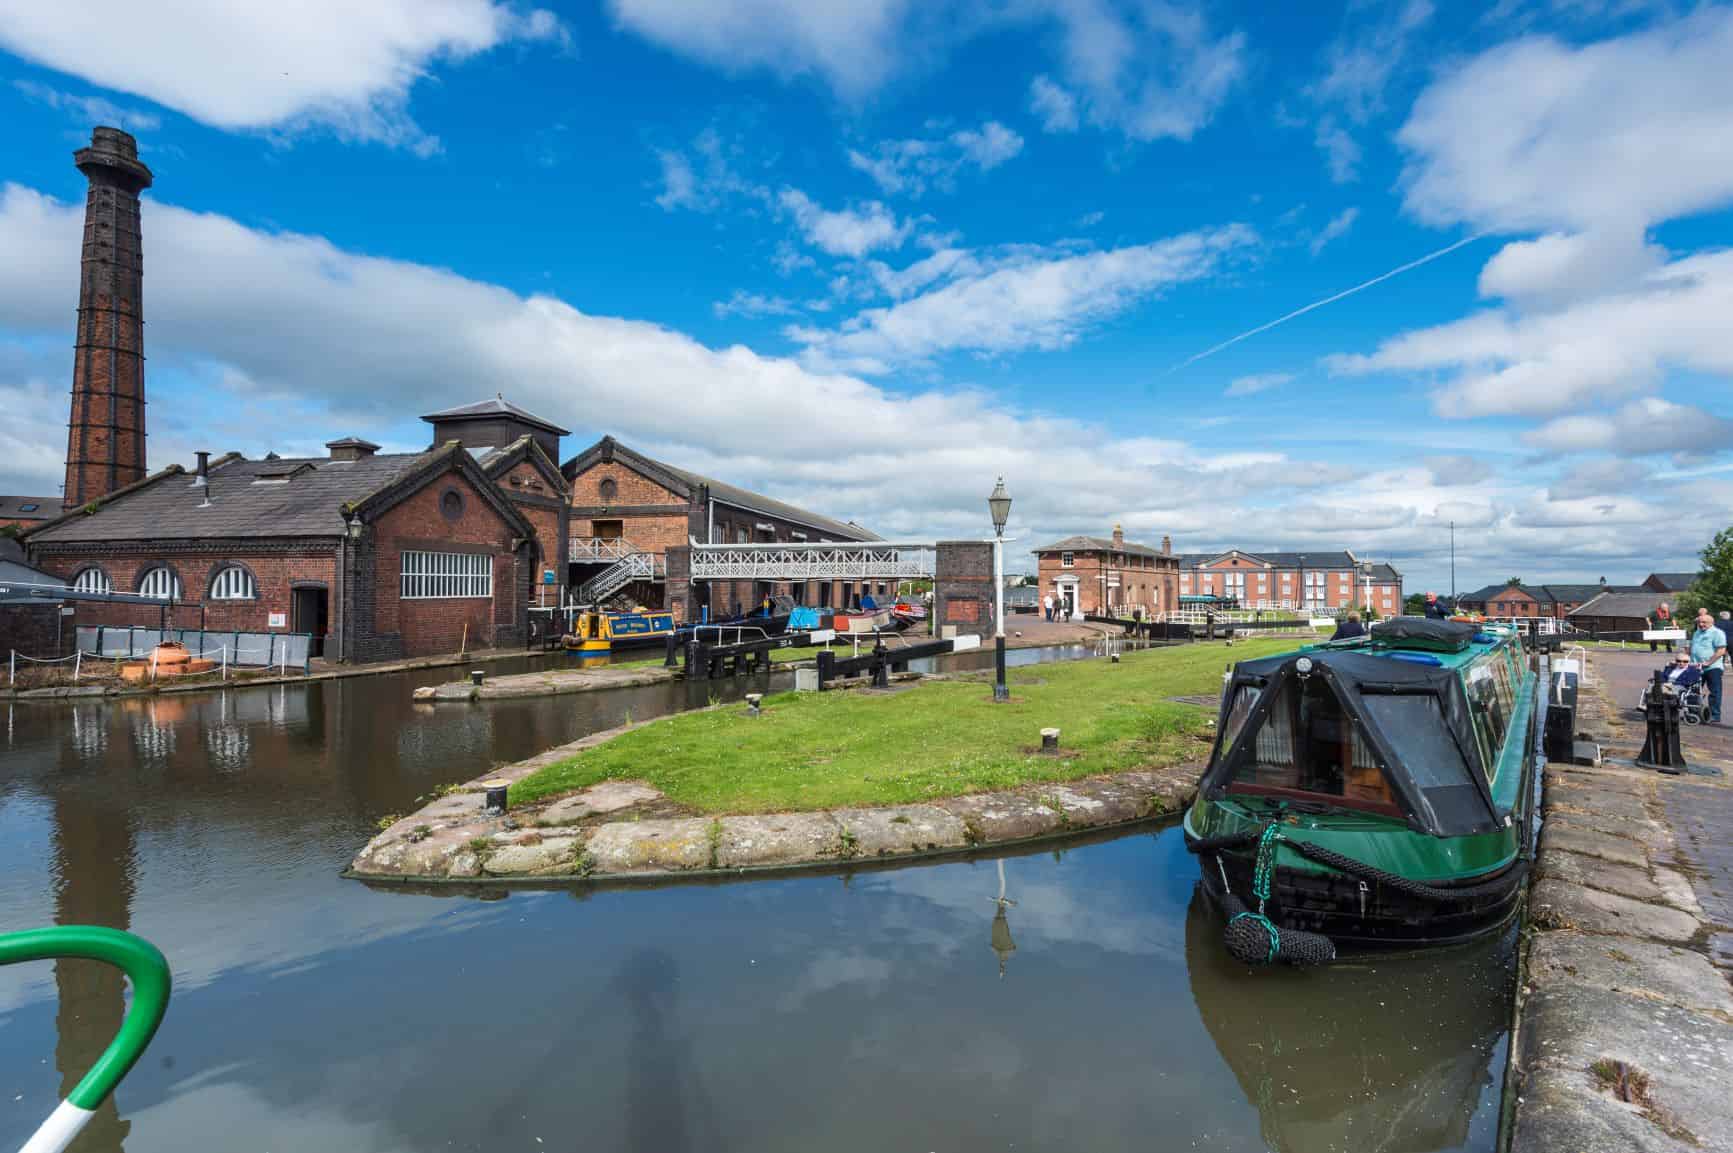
{"x":999,"y":505}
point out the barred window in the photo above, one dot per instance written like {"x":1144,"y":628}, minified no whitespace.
{"x":160,"y":583}
{"x":434,"y":575}
{"x":92,"y":580}
{"x":234,"y":584}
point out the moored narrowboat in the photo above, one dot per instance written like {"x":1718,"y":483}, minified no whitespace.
{"x":601,"y":632}
{"x":1376,"y":792}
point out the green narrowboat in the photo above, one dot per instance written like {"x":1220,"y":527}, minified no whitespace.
{"x":1375,"y":792}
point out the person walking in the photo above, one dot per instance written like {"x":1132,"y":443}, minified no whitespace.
{"x":1709,"y":653}
{"x":1662,"y":619}
{"x":1348,"y":627}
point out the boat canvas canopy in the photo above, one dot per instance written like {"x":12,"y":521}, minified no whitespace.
{"x":1354,"y":730}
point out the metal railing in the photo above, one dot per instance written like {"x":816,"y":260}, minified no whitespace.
{"x":830,"y":560}
{"x":634,"y":566}
{"x":590,"y":549}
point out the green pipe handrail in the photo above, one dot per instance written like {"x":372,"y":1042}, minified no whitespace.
{"x":147,"y":969}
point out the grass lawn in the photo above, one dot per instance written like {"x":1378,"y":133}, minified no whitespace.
{"x":936,"y":739}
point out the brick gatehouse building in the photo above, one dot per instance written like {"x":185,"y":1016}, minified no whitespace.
{"x":1109,"y":576}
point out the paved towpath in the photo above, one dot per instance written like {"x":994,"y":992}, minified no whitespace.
{"x":1625,"y":1022}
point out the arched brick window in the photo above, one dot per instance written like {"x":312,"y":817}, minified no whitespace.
{"x":92,"y":580}
{"x":161,"y":583}
{"x":234,"y":583}
{"x":607,"y":490}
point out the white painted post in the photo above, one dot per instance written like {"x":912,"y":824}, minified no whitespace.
{"x":225,"y":651}
{"x":12,"y":662}
{"x":77,"y":663}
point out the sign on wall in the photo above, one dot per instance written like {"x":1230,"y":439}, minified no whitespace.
{"x":547,"y":576}
{"x":278,"y":621}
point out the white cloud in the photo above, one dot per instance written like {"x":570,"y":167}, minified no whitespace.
{"x":1600,"y":475}
{"x":704,"y":176}
{"x":1457,"y":469}
{"x":1558,"y":267}
{"x":1337,"y":228}
{"x":1539,"y":135}
{"x":1604,"y":348}
{"x":1255,"y":383}
{"x":1029,"y":300}
{"x":753,"y":304}
{"x":845,"y":232}
{"x":336,"y":63}
{"x":352,"y":343}
{"x":1649,"y":425}
{"x":92,"y":110}
{"x":1359,"y":65}
{"x":909,"y":166}
{"x":1150,"y":69}
{"x":1052,"y":105}
{"x":854,"y":46}
{"x":1340,"y":151}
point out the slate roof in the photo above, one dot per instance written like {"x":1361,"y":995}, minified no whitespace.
{"x":15,"y":571}
{"x":1625,"y":604}
{"x":1328,"y":559}
{"x":12,"y":507}
{"x":1098,"y":544}
{"x":496,"y":406}
{"x":1674,"y":582}
{"x":307,"y":504}
{"x":1550,"y":593}
{"x":690,"y":482}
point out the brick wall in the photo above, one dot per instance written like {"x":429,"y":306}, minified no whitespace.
{"x":630,"y":487}
{"x":36,"y":630}
{"x":543,"y":506}
{"x":1289,"y":585}
{"x":276,"y":571}
{"x":963,"y":586}
{"x":422,"y":627}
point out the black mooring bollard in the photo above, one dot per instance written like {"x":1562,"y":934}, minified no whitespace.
{"x":672,"y":660}
{"x":494,"y":799}
{"x":1661,"y":750}
{"x":476,"y":676}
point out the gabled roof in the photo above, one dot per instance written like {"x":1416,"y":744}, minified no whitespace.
{"x":687,"y":485}
{"x":286,"y":497}
{"x":1323,"y":559}
{"x":1579,"y":593}
{"x":496,"y":462}
{"x":1098,"y":544}
{"x":496,"y":407}
{"x":1626,"y":604}
{"x":1673,"y":582}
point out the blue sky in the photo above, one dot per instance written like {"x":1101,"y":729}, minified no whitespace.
{"x":870,"y":256}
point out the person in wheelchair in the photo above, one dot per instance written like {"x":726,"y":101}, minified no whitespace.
{"x":1686,"y":679}
{"x":1682,"y":674}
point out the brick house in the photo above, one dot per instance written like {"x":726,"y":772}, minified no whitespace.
{"x":1109,"y":576}
{"x":1323,"y":581}
{"x":377,"y":555}
{"x":626,"y":503}
{"x":1525,"y":601}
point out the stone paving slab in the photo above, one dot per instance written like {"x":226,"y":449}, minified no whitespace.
{"x":1556,"y":904}
{"x":1555,"y":836}
{"x":667,"y":846}
{"x":599,"y":799}
{"x":1687,"y":1056}
{"x":898,"y":830}
{"x":1624,"y":1025}
{"x":778,"y":839}
{"x":546,"y":683}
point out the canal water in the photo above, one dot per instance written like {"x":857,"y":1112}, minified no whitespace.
{"x":902,"y":1009}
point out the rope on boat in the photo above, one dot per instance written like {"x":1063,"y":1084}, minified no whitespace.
{"x":1251,"y":937}
{"x":1354,"y":868}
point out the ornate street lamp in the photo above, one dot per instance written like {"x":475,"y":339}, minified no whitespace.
{"x":999,"y":506}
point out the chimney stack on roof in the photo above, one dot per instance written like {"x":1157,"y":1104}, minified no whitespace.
{"x":1166,"y":545}
{"x":202,"y":474}
{"x":351,"y":448}
{"x":1118,"y":536}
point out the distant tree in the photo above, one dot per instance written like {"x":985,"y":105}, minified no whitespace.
{"x":1512,"y":582}
{"x":1414,"y":605}
{"x":1713,"y":588}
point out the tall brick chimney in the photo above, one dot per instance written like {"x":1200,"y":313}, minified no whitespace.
{"x":1118,"y":536}
{"x":105,"y":440}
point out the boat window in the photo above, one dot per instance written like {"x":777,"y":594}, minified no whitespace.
{"x":1414,"y":726}
{"x":1245,"y":696}
{"x":1490,"y":711}
{"x":1309,"y":744}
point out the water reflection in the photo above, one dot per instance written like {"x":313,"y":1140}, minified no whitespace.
{"x":1363,"y":1054}
{"x":843,"y":1013}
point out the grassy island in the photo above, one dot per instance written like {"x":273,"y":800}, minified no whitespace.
{"x":933,"y":739}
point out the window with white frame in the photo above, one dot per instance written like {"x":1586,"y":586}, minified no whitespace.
{"x":1066,"y":560}
{"x":160,"y":583}
{"x":446,"y":575}
{"x":234,"y":584}
{"x":1235,"y":584}
{"x":92,"y":580}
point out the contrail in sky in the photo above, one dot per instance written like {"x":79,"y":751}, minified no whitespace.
{"x":1250,"y":332}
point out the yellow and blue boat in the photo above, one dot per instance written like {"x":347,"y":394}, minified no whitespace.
{"x":602,"y":632}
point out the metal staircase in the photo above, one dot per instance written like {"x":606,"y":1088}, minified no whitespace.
{"x":630,"y":563}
